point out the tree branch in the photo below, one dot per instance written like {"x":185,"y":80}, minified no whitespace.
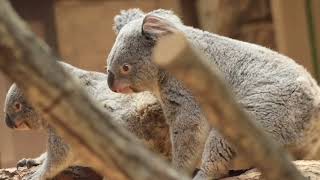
{"x":102,"y":143}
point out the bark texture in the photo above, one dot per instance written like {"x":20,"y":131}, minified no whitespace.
{"x":72,"y":173}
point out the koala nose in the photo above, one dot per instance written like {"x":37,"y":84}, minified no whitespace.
{"x":9,"y":121}
{"x":110,"y":79}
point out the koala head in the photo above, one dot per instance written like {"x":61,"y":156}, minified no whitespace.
{"x":130,"y":68}
{"x":19,"y":114}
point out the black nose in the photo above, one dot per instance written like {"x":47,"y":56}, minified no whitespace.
{"x":9,"y":121}
{"x":110,"y":79}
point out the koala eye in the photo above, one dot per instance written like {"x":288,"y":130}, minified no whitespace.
{"x":17,"y":106}
{"x":125,"y":68}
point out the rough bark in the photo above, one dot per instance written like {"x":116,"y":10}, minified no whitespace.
{"x":72,"y":173}
{"x":76,"y":117}
{"x":175,"y":54}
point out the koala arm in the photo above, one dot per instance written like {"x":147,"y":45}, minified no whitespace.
{"x":188,"y":139}
{"x":57,"y":158}
{"x":217,"y":157}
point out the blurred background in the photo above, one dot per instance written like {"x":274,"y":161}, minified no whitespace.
{"x":80,"y":31}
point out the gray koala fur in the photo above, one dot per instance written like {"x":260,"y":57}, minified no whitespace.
{"x":141,"y":114}
{"x":277,"y":93}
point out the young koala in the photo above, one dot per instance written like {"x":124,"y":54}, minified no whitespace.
{"x":278,"y":94}
{"x":140,"y":114}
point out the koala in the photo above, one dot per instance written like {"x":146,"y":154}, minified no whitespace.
{"x":279,"y":95}
{"x":140,"y":114}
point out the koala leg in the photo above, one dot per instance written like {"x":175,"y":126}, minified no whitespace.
{"x":216,"y":159}
{"x":188,"y":139}
{"x":32,"y":162}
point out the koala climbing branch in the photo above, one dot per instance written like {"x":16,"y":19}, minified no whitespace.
{"x":100,"y":141}
{"x":174,"y":53}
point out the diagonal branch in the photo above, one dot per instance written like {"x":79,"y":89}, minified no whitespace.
{"x":109,"y":148}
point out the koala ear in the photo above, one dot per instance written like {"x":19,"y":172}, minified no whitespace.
{"x":125,"y":17}
{"x":154,"y":27}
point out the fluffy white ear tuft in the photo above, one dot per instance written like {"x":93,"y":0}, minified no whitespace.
{"x":154,"y":27}
{"x":125,"y":17}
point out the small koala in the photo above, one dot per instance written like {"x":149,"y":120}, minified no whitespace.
{"x":140,"y":114}
{"x":278,"y":94}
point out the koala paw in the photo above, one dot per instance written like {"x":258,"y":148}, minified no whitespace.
{"x":28,"y":163}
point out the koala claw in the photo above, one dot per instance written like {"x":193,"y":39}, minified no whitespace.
{"x":27,"y":162}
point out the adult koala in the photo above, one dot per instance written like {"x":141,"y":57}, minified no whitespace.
{"x":278,"y":94}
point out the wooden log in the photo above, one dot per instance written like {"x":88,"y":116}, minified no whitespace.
{"x":310,"y":169}
{"x":103,"y":144}
{"x":72,"y":173}
{"x":174,"y":53}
